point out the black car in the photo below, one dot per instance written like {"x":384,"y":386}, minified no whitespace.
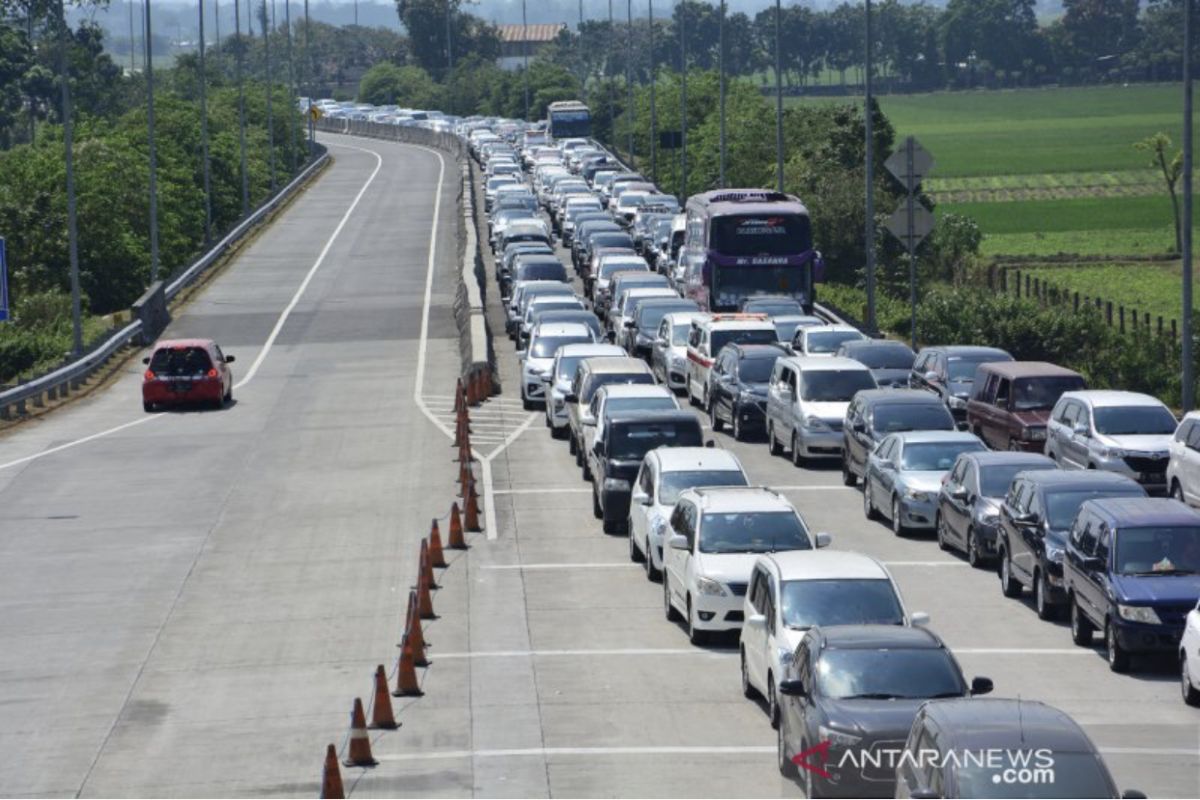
{"x":1021,"y":748}
{"x":1036,"y":517}
{"x":618,"y":240}
{"x":643,"y":328}
{"x":617,"y":455}
{"x":889,"y":361}
{"x":968,"y":517}
{"x":874,"y":413}
{"x":949,"y":372}
{"x":741,"y":375}
{"x":532,"y":267}
{"x":856,"y":689}
{"x":504,"y":263}
{"x":585,"y":229}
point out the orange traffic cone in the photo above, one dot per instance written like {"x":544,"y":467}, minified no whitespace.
{"x":407,"y":684}
{"x":424,"y":598}
{"x":360,"y":740}
{"x":331,"y":777}
{"x":381,"y":712}
{"x":464,"y":477}
{"x":471,"y":504}
{"x":426,"y":565}
{"x":436,"y":557}
{"x":455,"y":540}
{"x":459,"y":397}
{"x":413,"y":632}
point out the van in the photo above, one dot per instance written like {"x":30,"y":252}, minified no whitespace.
{"x":709,"y":334}
{"x":1012,"y":400}
{"x":807,"y":402}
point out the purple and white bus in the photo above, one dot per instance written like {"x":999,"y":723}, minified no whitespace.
{"x":744,"y":242}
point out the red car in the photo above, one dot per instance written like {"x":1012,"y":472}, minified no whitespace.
{"x":187,"y":371}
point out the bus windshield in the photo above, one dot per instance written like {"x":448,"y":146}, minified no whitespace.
{"x":761,"y":235}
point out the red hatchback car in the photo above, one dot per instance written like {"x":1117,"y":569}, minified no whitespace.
{"x":186,"y":371}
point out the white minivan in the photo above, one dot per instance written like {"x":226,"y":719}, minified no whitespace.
{"x":807,"y":400}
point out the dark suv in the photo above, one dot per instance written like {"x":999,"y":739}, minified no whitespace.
{"x":874,"y":413}
{"x":618,"y":454}
{"x":740,"y":376}
{"x":1035,"y":519}
{"x":1012,"y":402}
{"x":890,"y":361}
{"x":949,"y":372}
{"x":1132,"y":571}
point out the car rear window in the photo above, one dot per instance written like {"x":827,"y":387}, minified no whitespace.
{"x":746,"y":336}
{"x":180,"y":361}
{"x":542,"y":272}
{"x":634,"y":440}
{"x":912,"y":417}
{"x":614,"y":377}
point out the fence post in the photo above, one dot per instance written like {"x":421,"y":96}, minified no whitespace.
{"x":1004,"y":280}
{"x":1076,"y":301}
{"x":1133,"y":319}
{"x":1174,"y":332}
{"x":1122,"y":319}
{"x":1160,"y":326}
{"x":1026,"y":286}
{"x":1147,"y":320}
{"x":1108,"y":313}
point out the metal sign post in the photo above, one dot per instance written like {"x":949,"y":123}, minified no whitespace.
{"x":911,"y":222}
{"x":3,"y":282}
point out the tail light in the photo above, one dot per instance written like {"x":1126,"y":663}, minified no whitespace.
{"x":212,"y":373}
{"x":149,"y":375}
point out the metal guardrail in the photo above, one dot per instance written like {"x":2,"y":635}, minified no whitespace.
{"x":63,"y":380}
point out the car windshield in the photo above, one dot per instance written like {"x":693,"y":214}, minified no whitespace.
{"x":608,"y":268}
{"x":1062,"y":506}
{"x":912,"y":417}
{"x":564,"y":304}
{"x":745,"y":336}
{"x":962,"y":368}
{"x":672,"y":483}
{"x":1173,"y":550}
{"x":545,"y":271}
{"x":606,"y":379}
{"x":840,"y":602}
{"x":828,"y":341}
{"x":171,"y":361}
{"x":756,"y":370}
{"x":615,"y":405}
{"x":1040,"y":394}
{"x":651,"y":314}
{"x":889,"y":673}
{"x":1065,"y":775}
{"x":679,"y":335}
{"x":885,"y":357}
{"x":1133,"y":420}
{"x":994,"y":479}
{"x":611,"y":239}
{"x":547,"y":346}
{"x":567,"y":365}
{"x":834,"y":385}
{"x":775,"y":308}
{"x":631,"y":442}
{"x":935,"y":456}
{"x":753,"y":532}
{"x":760,"y":234}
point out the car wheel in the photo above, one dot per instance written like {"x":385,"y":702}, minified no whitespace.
{"x":652,"y":572}
{"x":1045,"y":609}
{"x":973,"y":557}
{"x":736,"y":424}
{"x":1118,"y":656}
{"x":587,"y":471}
{"x":229,"y":395}
{"x":1191,"y":695}
{"x":1081,"y":627}
{"x":939,"y":528}
{"x":772,"y":442}
{"x":557,"y":433}
{"x":597,"y":511}
{"x":748,"y":690}
{"x":148,"y":408}
{"x":526,"y":403}
{"x":772,"y":702}
{"x":635,"y":552}
{"x":1008,"y":585}
{"x":695,"y":635}
{"x":810,"y":785}
{"x":668,"y":610}
{"x":786,"y":768}
{"x":1177,"y":491}
{"x":714,"y":419}
{"x":868,"y":507}
{"x":797,"y":456}
{"x":848,"y":476}
{"x":897,"y":524}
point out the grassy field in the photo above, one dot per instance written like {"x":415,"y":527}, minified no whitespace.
{"x":1147,"y":287}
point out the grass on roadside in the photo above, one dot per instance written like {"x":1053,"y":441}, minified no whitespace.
{"x":1148,"y":287}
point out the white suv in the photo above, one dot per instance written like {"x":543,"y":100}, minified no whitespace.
{"x":715,"y":536}
{"x":1183,"y":468}
{"x":1189,"y":669}
{"x":794,"y":591}
{"x":709,"y":334}
{"x":665,"y":472}
{"x":558,"y":381}
{"x":536,"y":362}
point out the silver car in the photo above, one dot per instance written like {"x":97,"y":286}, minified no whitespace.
{"x":904,"y":475}
{"x":558,"y":381}
{"x":536,"y":362}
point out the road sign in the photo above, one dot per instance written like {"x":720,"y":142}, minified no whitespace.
{"x":922,"y":223}
{"x":316,"y":112}
{"x":898,"y":165}
{"x":3,"y":282}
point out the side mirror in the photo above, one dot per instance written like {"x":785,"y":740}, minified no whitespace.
{"x":981,"y":686}
{"x":1133,"y":794}
{"x":598,"y":449}
{"x":710,"y":443}
{"x":520,"y":355}
{"x":858,"y":426}
{"x":661,"y":342}
{"x":960,"y":493}
{"x":230,"y":359}
{"x":146,"y":360}
{"x":792,"y":688}
{"x":630,"y":324}
{"x":1094,"y":564}
{"x":678,"y":542}
{"x":640,"y":497}
{"x":756,"y":621}
{"x":822,"y":539}
{"x":1080,"y":429}
{"x":918,"y":619}
{"x":571,"y":398}
{"x":932,"y":377}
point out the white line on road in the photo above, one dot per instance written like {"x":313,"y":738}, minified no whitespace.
{"x":941,"y":563}
{"x":543,"y":752}
{"x":627,"y":651}
{"x":812,"y":487}
{"x":1024,"y":651}
{"x":571,"y":490}
{"x":600,"y":565}
{"x":423,"y":344}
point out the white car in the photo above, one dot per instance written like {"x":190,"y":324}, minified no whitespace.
{"x":1189,"y":668}
{"x":616,"y":397}
{"x":793,"y":591}
{"x":665,"y":472}
{"x":713,"y":539}
{"x":823,"y":340}
{"x":1183,"y":468}
{"x":621,"y":312}
{"x":558,"y":381}
{"x":712,"y":332}
{"x":536,"y":362}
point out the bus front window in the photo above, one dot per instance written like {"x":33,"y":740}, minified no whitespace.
{"x":761,"y":235}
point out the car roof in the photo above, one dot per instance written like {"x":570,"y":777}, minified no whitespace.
{"x":172,"y":344}
{"x":596,"y":349}
{"x":1101,"y":398}
{"x":998,"y":458}
{"x":815,"y":565}
{"x":1144,"y":511}
{"x":1028,"y":369}
{"x":863,"y":344}
{"x":970,"y":350}
{"x":635,"y":390}
{"x":830,"y":329}
{"x":987,"y":722}
{"x":683,"y":459}
{"x":615,"y":364}
{"x":740,"y":499}
{"x":827,"y":364}
{"x":746,"y":351}
{"x":909,"y":397}
{"x":920,"y":437}
{"x":683,"y":317}
{"x":562,"y":329}
{"x":636,"y":416}
{"x":875,"y":637}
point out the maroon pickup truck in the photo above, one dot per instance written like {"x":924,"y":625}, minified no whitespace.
{"x":1012,"y":402}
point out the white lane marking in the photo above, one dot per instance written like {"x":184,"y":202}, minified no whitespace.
{"x":580,"y":565}
{"x":629,"y":651}
{"x":572,"y":490}
{"x":1025,"y":651}
{"x":813,"y":487}
{"x":942,"y":563}
{"x":419,"y":386}
{"x":543,"y":752}
{"x":1149,"y":751}
{"x":262,"y":354}
{"x":287,"y":311}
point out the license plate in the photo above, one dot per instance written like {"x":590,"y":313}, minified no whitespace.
{"x":181,"y":386}
{"x":1154,"y":477}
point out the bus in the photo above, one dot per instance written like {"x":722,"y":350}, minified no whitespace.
{"x":742,"y":242}
{"x":569,"y":119}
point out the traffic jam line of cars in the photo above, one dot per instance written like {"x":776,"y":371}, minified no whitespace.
{"x":1018,"y":465}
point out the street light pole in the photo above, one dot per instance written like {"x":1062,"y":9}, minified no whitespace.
{"x":653,"y":102}
{"x":153,"y":151}
{"x":310,"y":73}
{"x":683,"y":76}
{"x":632,"y":114}
{"x":869,"y":147}
{"x":1186,"y":227}
{"x":240,"y":45}
{"x":64,"y":39}
{"x":721,"y":71}
{"x":287,"y":21}
{"x":778,"y":97}
{"x":612,"y":109}
{"x":525,"y":53}
{"x":267,"y":23}
{"x":204,"y":135}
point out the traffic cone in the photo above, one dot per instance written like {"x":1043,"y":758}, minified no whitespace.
{"x":471,"y":504}
{"x":381,"y":710}
{"x":360,"y":740}
{"x":436,"y":557}
{"x":331,"y":777}
{"x":455,"y":540}
{"x":413,"y":632}
{"x":459,"y":397}
{"x":407,"y":684}
{"x":464,"y":477}
{"x":424,"y":598}
{"x":426,"y":565}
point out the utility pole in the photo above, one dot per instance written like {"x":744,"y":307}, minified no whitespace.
{"x":64,"y":40}
{"x":287,"y":21}
{"x":267,"y":24}
{"x":778,"y":97}
{"x":653,"y":102}
{"x":683,"y":70}
{"x":132,"y":38}
{"x":525,"y":54}
{"x":1185,"y":229}
{"x":449,"y":53}
{"x":310,"y":73}
{"x":582,"y":68}
{"x":217,"y":25}
{"x":631,"y":115}
{"x":204,"y":135}
{"x":239,"y":44}
{"x":612,"y":109}
{"x":869,"y":148}
{"x":356,"y":13}
{"x":721,"y":70}
{"x":153,"y":150}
